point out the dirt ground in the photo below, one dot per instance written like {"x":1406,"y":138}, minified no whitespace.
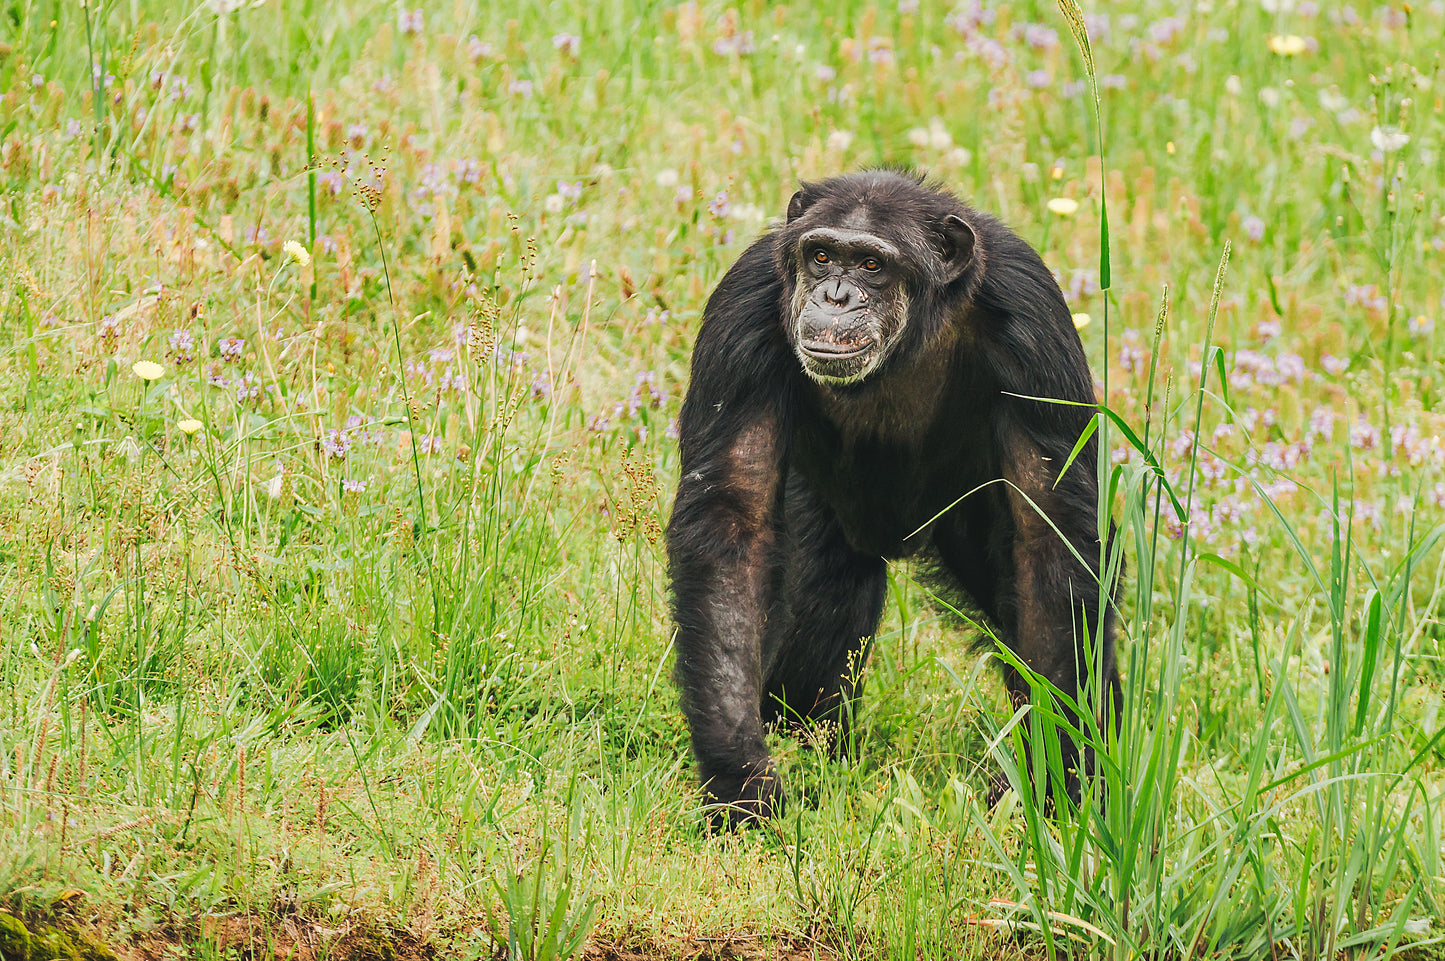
{"x":71,"y":937}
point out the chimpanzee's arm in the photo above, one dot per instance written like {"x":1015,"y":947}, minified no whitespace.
{"x":1036,"y":353}
{"x":722,"y":538}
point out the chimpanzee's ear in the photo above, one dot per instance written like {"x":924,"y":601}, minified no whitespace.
{"x":956,"y":241}
{"x":800,"y":202}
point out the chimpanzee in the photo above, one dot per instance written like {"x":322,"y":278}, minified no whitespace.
{"x":872,"y":381}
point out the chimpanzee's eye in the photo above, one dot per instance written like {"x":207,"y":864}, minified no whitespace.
{"x":820,"y":256}
{"x":870,"y":263}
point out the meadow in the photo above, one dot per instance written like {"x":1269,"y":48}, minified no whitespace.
{"x":341,"y":347}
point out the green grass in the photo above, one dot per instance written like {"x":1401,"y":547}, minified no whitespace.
{"x":383,"y":645}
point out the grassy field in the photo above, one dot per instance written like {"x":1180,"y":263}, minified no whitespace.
{"x":340,"y":347}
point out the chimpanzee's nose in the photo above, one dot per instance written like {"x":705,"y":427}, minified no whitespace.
{"x":837,"y":293}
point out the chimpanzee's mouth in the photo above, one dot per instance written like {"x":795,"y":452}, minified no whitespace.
{"x":822,"y":350}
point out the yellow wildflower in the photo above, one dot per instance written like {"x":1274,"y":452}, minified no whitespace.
{"x":1064,"y":206}
{"x":297,"y":253}
{"x":147,"y":369}
{"x":1287,"y":45}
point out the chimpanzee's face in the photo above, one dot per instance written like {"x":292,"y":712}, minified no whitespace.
{"x":857,"y":264}
{"x":850,"y":303}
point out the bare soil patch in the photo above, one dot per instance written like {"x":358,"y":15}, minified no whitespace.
{"x":69,"y":936}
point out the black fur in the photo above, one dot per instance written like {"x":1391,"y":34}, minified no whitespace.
{"x":795,"y":488}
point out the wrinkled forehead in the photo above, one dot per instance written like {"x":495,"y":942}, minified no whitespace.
{"x":894,"y":230}
{"x":850,"y":240}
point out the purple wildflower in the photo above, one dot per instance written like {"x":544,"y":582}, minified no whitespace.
{"x":182,"y":347}
{"x":1212,"y":470}
{"x":720,"y":206}
{"x":995,"y":54}
{"x":1038,"y":35}
{"x":1369,"y":512}
{"x":1182,"y":445}
{"x":469,"y":171}
{"x":740,"y":44}
{"x":335,"y":444}
{"x":248,"y":387}
{"x":972,"y":16}
{"x":331,"y":182}
{"x":1367,"y":296}
{"x":1131,"y":354}
{"x":1164,"y":31}
{"x":453,"y":381}
{"x":1364,"y":435}
{"x":477,"y":49}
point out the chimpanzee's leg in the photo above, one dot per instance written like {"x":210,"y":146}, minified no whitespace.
{"x":827,"y":610}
